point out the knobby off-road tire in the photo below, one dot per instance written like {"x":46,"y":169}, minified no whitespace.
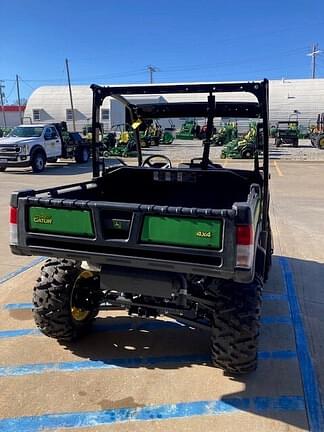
{"x":235,"y":327}
{"x":52,"y":301}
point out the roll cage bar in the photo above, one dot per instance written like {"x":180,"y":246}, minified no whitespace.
{"x":209,"y":109}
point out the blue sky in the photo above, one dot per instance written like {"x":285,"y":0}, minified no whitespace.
{"x":114,"y":41}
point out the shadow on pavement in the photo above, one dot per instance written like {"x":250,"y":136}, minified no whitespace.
{"x":64,"y":168}
{"x":274,"y":380}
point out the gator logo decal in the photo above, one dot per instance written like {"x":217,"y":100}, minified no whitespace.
{"x":44,"y":220}
{"x":204,"y":234}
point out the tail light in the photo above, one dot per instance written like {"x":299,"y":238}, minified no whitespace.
{"x":13,"y":225}
{"x":244,"y":246}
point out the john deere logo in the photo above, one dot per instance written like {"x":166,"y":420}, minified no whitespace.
{"x":204,"y":234}
{"x":45,"y":220}
{"x":117,"y":224}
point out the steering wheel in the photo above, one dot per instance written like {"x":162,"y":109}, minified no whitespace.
{"x":162,"y":165}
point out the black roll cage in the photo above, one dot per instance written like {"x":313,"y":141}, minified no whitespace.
{"x":209,"y":109}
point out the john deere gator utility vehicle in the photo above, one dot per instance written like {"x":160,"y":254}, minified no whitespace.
{"x":287,"y":133}
{"x":191,"y":241}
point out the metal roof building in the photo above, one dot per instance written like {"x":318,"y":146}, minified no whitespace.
{"x":302,"y":99}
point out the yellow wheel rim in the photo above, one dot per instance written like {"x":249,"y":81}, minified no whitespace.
{"x":79,"y":314}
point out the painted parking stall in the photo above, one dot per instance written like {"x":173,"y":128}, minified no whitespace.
{"x":278,"y":353}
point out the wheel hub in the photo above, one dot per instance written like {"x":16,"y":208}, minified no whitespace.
{"x":81,"y":296}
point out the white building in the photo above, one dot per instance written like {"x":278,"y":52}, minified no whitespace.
{"x":11,"y":115}
{"x":301,"y":99}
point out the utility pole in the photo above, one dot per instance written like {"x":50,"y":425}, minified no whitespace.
{"x":70,"y":90}
{"x":315,"y":52}
{"x":151,"y":69}
{"x":2,"y":103}
{"x":18,"y":96}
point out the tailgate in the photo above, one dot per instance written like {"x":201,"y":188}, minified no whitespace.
{"x":178,"y":239}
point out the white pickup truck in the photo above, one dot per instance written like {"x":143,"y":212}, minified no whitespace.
{"x":34,"y":145}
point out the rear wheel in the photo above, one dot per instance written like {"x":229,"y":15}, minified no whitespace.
{"x":38,"y":161}
{"x":82,"y":155}
{"x":65,"y":299}
{"x":235,"y":326}
{"x":247,"y":154}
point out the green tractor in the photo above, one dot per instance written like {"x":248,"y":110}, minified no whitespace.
{"x":187,"y":131}
{"x":243,"y":148}
{"x":168,"y":134}
{"x":120,"y":142}
{"x":225,"y":134}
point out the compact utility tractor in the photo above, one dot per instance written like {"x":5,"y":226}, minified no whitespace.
{"x":317,"y":132}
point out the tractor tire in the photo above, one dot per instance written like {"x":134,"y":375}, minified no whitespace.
{"x":247,"y":154}
{"x":277,"y":142}
{"x":52,"y":299}
{"x":319,"y":143}
{"x":38,"y":161}
{"x":235,"y":326}
{"x":82,"y":155}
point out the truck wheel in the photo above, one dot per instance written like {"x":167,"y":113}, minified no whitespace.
{"x":82,"y":155}
{"x":65,"y":299}
{"x":235,"y":326}
{"x":38,"y":161}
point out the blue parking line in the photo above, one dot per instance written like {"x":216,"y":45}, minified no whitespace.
{"x":14,"y":306}
{"x":6,"y":334}
{"x":308,"y":375}
{"x":20,"y":270}
{"x":225,"y":406}
{"x":77,"y":366}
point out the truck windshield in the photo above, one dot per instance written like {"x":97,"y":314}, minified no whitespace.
{"x":26,"y":132}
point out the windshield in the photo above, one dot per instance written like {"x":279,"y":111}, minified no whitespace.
{"x":26,"y":132}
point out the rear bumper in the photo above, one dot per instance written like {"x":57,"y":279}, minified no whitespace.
{"x":103,"y":259}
